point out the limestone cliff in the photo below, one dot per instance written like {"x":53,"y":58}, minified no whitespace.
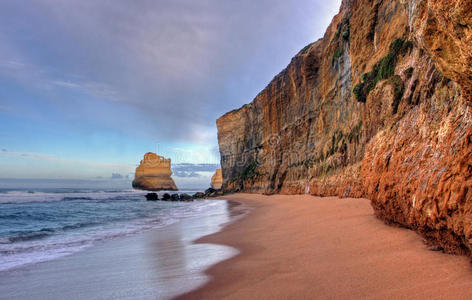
{"x":154,"y":174}
{"x":217,"y":180}
{"x":380,"y":107}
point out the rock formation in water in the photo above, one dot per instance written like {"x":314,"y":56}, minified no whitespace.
{"x":380,"y":107}
{"x":154,"y":174}
{"x":217,"y":180}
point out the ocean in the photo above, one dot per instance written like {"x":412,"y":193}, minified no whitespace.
{"x":43,"y":224}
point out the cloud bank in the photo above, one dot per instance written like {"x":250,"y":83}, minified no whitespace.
{"x":172,"y":66}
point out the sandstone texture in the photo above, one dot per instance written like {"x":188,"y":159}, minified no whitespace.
{"x":380,"y":107}
{"x":217,"y":180}
{"x":154,"y":174}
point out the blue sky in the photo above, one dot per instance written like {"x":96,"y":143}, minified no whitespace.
{"x":88,"y":87}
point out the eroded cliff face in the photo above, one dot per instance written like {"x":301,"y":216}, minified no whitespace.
{"x":378,"y":108}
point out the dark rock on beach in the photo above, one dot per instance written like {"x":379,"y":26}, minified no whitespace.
{"x":211,"y":192}
{"x":198,"y":195}
{"x":185,"y":197}
{"x":152,"y":197}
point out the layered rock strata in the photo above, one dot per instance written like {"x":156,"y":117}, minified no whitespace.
{"x":380,"y":107}
{"x":154,"y":174}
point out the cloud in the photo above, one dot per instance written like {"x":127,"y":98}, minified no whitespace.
{"x":187,"y":174}
{"x":180,"y":64}
{"x":183,"y":150}
{"x":190,"y":168}
{"x":52,"y":158}
{"x":66,"y":84}
{"x":11,"y":64}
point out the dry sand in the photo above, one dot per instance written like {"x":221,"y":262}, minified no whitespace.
{"x":302,"y":247}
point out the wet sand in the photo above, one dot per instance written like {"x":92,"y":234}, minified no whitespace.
{"x":302,"y":247}
{"x":157,"y":264}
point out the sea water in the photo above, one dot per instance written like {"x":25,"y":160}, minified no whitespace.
{"x":38,"y":225}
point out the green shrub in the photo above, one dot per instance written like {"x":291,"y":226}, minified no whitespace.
{"x":359,"y":92}
{"x":250,"y":171}
{"x":396,"y":46}
{"x":355,"y":133}
{"x":347,"y":31}
{"x":338,"y":32}
{"x":398,"y":91}
{"x":383,"y":69}
{"x":407,"y":46}
{"x":305,"y":49}
{"x":335,"y":139}
{"x":386,"y":67}
{"x":343,"y":30}
{"x":337,"y":54}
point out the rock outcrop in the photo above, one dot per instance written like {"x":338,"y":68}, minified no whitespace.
{"x":154,"y":174}
{"x":217,"y":180}
{"x":380,"y":107}
{"x":152,"y":197}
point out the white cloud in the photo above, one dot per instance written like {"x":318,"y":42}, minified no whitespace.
{"x":183,"y":150}
{"x":53,"y":158}
{"x":181,"y":64}
{"x":67,"y":84}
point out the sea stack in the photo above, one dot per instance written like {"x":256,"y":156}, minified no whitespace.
{"x":154,"y":174}
{"x":217,"y":180}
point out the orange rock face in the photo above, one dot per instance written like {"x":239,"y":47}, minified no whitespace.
{"x":217,"y":180}
{"x":378,"y":108}
{"x":444,"y":29}
{"x":154,"y":174}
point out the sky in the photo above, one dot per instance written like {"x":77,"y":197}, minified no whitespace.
{"x":87,"y":87}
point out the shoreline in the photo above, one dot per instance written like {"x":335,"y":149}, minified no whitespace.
{"x":309,"y":247}
{"x":158,"y":263}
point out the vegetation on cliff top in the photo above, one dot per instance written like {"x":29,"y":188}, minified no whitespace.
{"x":305,"y":49}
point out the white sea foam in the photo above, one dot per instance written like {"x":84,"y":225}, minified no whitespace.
{"x":61,"y":240}
{"x":37,"y":196}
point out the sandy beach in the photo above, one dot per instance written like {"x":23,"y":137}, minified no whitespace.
{"x":302,"y":247}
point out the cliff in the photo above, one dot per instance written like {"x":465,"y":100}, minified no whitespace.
{"x":154,"y":174}
{"x":380,"y":107}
